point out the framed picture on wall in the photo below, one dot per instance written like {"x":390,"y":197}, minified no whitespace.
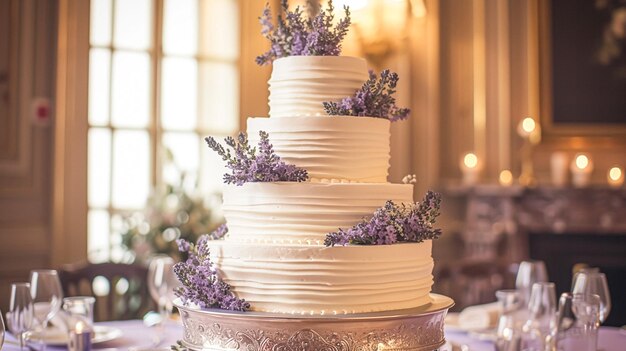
{"x":582,"y":47}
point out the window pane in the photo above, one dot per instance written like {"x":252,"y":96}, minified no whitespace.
{"x":179,"y":94}
{"x":98,"y":237}
{"x":99,"y":73}
{"x":218,"y":100}
{"x":185,"y":151}
{"x":133,"y":23}
{"x":219,"y":29}
{"x":131,"y":169}
{"x":100,"y":24}
{"x":212,"y":169}
{"x":131,"y":93}
{"x":99,"y":167}
{"x":180,"y":27}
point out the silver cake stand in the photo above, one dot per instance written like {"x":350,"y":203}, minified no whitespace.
{"x":412,"y":329}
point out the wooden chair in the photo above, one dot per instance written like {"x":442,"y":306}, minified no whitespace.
{"x":120,"y":290}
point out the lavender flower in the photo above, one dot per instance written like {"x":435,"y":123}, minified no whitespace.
{"x":393,"y":223}
{"x":219,"y":233}
{"x":374,"y":99}
{"x":296,"y":36}
{"x":201,"y":284}
{"x":248,"y":165}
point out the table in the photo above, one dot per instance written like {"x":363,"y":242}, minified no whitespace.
{"x":136,"y":335}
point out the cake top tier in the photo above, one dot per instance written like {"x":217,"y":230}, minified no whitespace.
{"x":300,"y":84}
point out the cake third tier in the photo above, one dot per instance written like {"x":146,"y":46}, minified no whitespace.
{"x":344,"y":148}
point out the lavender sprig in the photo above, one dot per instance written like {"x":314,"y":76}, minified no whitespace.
{"x":200,"y":281}
{"x":374,"y":99}
{"x":248,"y":165}
{"x":393,"y":223}
{"x":295,"y":35}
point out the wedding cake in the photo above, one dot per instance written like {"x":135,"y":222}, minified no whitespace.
{"x":274,"y":255}
{"x":314,"y":228}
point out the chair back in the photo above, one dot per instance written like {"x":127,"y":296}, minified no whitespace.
{"x":120,"y":290}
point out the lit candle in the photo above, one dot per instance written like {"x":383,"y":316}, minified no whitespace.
{"x":581,"y":168}
{"x":506,"y":178}
{"x":80,"y":337}
{"x":615,"y":177}
{"x":558,"y":168}
{"x":469,"y":167}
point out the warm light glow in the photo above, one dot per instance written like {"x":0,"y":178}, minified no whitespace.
{"x":582,"y":161}
{"x":80,"y":326}
{"x":418,"y":8}
{"x":506,"y":178}
{"x":528,"y":125}
{"x":615,"y":173}
{"x":470,"y":160}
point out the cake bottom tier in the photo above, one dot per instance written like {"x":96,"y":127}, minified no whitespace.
{"x":327,"y":280}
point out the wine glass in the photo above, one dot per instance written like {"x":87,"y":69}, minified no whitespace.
{"x":529,"y":273}
{"x":1,"y":331}
{"x":592,"y":282}
{"x":45,"y":289}
{"x":161,"y":283}
{"x":536,"y":333}
{"x":20,"y":316}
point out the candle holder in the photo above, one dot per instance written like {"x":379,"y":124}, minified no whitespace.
{"x":581,"y":168}
{"x":80,"y":337}
{"x":470,"y":167}
{"x":528,"y":130}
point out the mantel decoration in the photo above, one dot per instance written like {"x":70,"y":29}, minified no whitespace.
{"x":374,"y":99}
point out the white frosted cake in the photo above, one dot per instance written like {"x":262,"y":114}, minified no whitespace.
{"x":274,"y":255}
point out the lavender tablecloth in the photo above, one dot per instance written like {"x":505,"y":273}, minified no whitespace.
{"x":136,"y":335}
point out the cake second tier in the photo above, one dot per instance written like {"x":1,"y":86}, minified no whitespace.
{"x":355,"y":149}
{"x":302,"y":213}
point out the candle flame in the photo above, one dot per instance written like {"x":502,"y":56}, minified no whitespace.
{"x":582,"y":161}
{"x":80,"y":326}
{"x":506,"y":177}
{"x":470,"y":160}
{"x":529,"y":125}
{"x":615,"y":173}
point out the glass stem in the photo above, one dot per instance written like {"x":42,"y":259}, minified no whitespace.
{"x":21,"y":338}
{"x":42,"y":343}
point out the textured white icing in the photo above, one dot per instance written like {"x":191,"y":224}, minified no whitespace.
{"x":327,"y":280}
{"x":299,"y":84}
{"x":333,"y":148}
{"x":303,"y":213}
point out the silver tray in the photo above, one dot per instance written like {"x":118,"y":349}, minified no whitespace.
{"x":414,"y":329}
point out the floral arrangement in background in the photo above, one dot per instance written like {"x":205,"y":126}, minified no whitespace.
{"x":296,"y":35}
{"x":393,"y":223}
{"x":201,"y":284}
{"x":171,"y":214}
{"x":248,"y":164}
{"x":374,"y":99}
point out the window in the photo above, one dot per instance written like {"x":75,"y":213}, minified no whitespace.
{"x":162,"y":75}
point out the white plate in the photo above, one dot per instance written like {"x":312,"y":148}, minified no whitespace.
{"x":59,"y":337}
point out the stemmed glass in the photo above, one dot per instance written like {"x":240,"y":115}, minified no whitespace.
{"x":529,"y":273}
{"x":161,"y":283}
{"x":594,"y":282}
{"x":1,"y":331}
{"x":20,"y":316}
{"x":45,"y":289}
{"x":536,"y":333}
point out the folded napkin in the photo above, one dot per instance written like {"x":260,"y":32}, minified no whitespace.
{"x":480,"y":317}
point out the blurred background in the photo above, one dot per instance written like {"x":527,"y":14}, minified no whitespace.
{"x":518,"y":119}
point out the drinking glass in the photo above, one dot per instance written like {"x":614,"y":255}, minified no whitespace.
{"x":161,"y":283}
{"x":509,"y":323}
{"x":20,"y":316}
{"x":536,"y":333}
{"x":529,"y":273}
{"x":1,"y":330}
{"x":577,"y":322}
{"x":591,"y":282}
{"x":79,"y":308}
{"x":45,"y":289}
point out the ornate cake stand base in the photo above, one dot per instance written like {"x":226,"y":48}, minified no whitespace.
{"x":414,"y":329}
